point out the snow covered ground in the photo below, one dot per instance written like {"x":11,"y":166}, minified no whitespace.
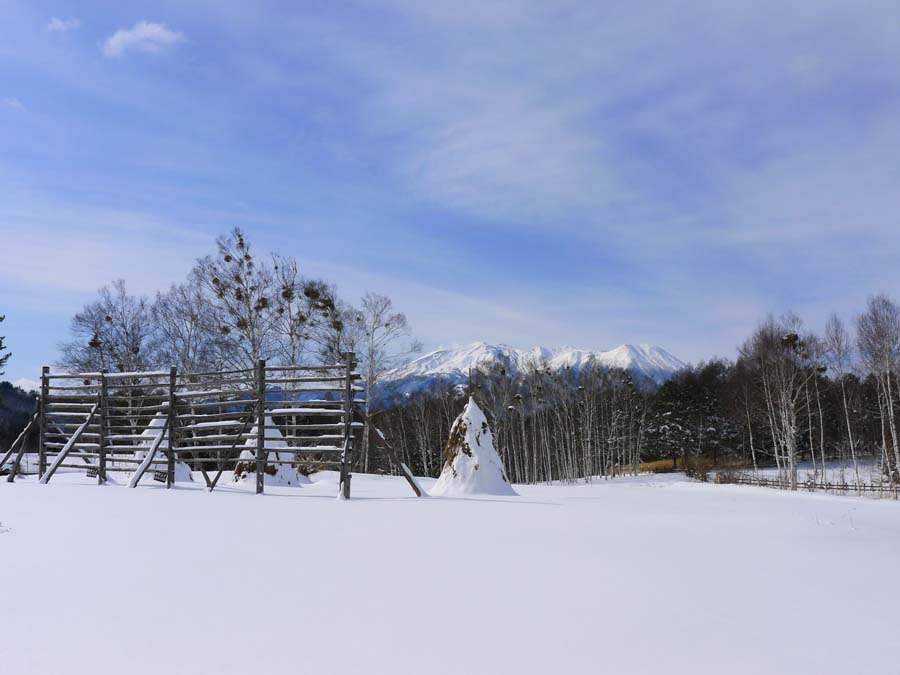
{"x":644,"y":575}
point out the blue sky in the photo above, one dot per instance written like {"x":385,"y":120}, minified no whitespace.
{"x":584,"y":173}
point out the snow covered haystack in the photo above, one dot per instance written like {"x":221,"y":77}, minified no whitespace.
{"x":151,"y":433}
{"x":276,"y":474}
{"x":471,"y":463}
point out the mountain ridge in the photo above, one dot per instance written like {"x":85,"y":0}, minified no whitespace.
{"x":453,"y":363}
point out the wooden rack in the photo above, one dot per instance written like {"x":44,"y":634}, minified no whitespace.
{"x":137,"y":422}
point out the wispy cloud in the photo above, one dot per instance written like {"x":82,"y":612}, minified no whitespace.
{"x":144,"y":36}
{"x":13,"y":102}
{"x":57,"y":25}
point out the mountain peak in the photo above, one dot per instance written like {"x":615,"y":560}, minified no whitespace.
{"x":453,"y":364}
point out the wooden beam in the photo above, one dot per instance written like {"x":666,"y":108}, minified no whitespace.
{"x":45,"y":395}
{"x":346,"y":477}
{"x":104,"y":429}
{"x":261,"y":425}
{"x":171,"y":419}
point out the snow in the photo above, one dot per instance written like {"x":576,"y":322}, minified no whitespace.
{"x":454,"y":364}
{"x":633,"y":576}
{"x":472,"y":465}
{"x":282,"y":474}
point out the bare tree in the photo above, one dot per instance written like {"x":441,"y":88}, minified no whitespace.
{"x":385,"y":340}
{"x":306,"y":312}
{"x":185,"y":333}
{"x":241,"y":292}
{"x":878,"y":339}
{"x":111,"y":333}
{"x":840,"y":352}
{"x":784,"y":367}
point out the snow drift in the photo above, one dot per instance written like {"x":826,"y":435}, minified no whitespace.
{"x":275,"y":474}
{"x":471,"y":463}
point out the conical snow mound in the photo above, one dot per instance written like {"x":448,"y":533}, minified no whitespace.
{"x":471,"y":463}
{"x":148,"y":437}
{"x":275,"y":474}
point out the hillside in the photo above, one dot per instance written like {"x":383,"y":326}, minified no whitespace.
{"x":453,"y":364}
{"x":16,"y":406}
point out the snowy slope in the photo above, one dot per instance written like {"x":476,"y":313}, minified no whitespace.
{"x":648,"y":575}
{"x":453,"y":364}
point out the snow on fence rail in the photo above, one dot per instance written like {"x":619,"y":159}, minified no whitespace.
{"x":884,"y":489}
{"x":141,"y":421}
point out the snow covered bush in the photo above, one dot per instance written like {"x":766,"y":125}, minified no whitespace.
{"x":471,"y":463}
{"x":275,"y":474}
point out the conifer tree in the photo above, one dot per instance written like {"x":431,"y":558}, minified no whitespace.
{"x":3,"y":357}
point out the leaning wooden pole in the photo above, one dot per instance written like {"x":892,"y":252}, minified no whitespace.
{"x":20,"y":438}
{"x":348,"y":426}
{"x":151,"y":455}
{"x":22,"y":442}
{"x":260,"y":425}
{"x":45,"y":395}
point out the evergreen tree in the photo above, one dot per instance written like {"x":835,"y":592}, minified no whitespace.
{"x":3,"y":357}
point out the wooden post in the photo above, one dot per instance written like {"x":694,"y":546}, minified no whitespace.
{"x":173,"y":415}
{"x":104,"y":429}
{"x":348,"y":426}
{"x":45,"y":395}
{"x":260,"y":425}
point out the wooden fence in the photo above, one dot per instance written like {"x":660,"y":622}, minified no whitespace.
{"x":212,"y":421}
{"x":891,"y":490}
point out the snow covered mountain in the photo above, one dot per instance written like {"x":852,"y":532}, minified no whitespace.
{"x":453,"y":364}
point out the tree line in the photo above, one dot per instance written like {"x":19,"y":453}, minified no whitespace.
{"x":789,"y":397}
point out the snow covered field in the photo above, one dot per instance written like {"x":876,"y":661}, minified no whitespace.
{"x":645,"y":575}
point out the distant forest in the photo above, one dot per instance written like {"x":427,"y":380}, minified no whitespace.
{"x":16,"y":407}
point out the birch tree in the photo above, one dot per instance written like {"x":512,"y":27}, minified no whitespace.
{"x":878,"y":339}
{"x":386,"y":341}
{"x":112,"y":333}
{"x":840,"y":349}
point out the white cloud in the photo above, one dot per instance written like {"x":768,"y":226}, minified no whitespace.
{"x":12,"y":102}
{"x":144,"y":36}
{"x":57,"y":25}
